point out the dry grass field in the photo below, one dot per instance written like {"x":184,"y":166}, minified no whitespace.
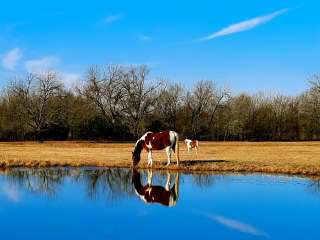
{"x":270,"y":157}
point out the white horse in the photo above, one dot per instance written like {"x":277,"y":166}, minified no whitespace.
{"x":192,"y":144}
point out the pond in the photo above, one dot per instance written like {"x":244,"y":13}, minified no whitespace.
{"x":96,"y":203}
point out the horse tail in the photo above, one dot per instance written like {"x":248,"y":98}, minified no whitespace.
{"x":177,"y":147}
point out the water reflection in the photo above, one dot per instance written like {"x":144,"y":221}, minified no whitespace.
{"x":112,"y":183}
{"x":95,"y":203}
{"x":203,"y":180}
{"x":43,"y":181}
{"x":149,"y":193}
{"x":314,"y":185}
{"x":109,"y":183}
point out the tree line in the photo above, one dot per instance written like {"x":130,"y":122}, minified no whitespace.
{"x":121,"y":103}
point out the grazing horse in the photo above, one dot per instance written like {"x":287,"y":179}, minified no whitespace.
{"x":192,"y":144}
{"x":156,"y":194}
{"x":150,"y":141}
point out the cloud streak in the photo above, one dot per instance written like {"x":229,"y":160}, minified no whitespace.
{"x":112,"y":18}
{"x":244,"y":25}
{"x":144,"y":38}
{"x":238,"y":226}
{"x":70,"y":80}
{"x":11,"y":193}
{"x":11,"y":59}
{"x":42,"y":64}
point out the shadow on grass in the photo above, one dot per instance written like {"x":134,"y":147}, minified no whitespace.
{"x":197,"y":162}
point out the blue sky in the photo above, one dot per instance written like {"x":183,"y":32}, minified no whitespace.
{"x":253,"y":45}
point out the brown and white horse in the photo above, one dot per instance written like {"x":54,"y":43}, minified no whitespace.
{"x":150,"y":141}
{"x":192,"y":144}
{"x":167,"y":196}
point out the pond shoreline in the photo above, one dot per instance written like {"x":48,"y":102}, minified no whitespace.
{"x":198,"y":168}
{"x":290,"y":158}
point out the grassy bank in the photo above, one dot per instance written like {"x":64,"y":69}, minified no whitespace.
{"x":270,"y":157}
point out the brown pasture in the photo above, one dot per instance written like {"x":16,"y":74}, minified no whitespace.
{"x":270,"y":157}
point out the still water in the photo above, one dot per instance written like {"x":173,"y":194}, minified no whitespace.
{"x":95,"y":203}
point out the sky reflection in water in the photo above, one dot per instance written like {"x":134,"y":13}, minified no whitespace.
{"x":96,"y":203}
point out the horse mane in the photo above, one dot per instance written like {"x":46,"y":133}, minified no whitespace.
{"x":139,"y":146}
{"x":136,"y":179}
{"x":137,"y":151}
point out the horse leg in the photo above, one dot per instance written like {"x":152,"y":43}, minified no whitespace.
{"x":150,"y":158}
{"x":149,"y":177}
{"x":189,"y":147}
{"x":168,"y":151}
{"x":168,"y":182}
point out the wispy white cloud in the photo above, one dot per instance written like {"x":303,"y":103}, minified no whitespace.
{"x":144,"y":38}
{"x":10,"y":193}
{"x":70,"y":80}
{"x":47,"y":63}
{"x":112,"y":18}
{"x":238,"y":226}
{"x":42,"y":64}
{"x":244,"y":26}
{"x":11,"y":59}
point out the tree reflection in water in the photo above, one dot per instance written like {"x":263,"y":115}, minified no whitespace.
{"x":43,"y":181}
{"x":203,"y":180}
{"x":315,"y":185}
{"x":108,"y":183}
{"x":111,"y":183}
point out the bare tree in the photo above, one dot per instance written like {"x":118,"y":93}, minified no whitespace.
{"x":279,"y":107}
{"x":33,"y":97}
{"x":220,"y":98}
{"x":240,"y":111}
{"x":104,"y":90}
{"x":118,"y":103}
{"x":204,"y":99}
{"x":17,"y":97}
{"x":198,"y":102}
{"x":168,"y":105}
{"x":314,"y":82}
{"x":139,"y":97}
{"x":311,"y":108}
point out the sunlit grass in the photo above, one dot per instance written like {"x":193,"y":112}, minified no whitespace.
{"x":272,"y":157}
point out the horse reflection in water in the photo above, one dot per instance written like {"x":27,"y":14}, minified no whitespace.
{"x":167,"y":196}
